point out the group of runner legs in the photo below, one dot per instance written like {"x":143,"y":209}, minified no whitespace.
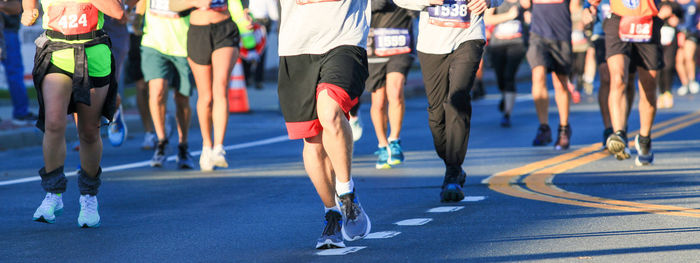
{"x":324,"y":46}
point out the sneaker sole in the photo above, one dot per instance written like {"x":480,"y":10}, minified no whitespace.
{"x":383,"y":166}
{"x":41,"y":219}
{"x":642,"y":163}
{"x":394,"y":162}
{"x":329,"y":244}
{"x":451,"y":197}
{"x":618,"y":149}
{"x":369,"y":228}
{"x":88,"y":226}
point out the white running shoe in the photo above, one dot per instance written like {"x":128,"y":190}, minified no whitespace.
{"x":149,"y":141}
{"x":694,"y":87}
{"x":49,"y":208}
{"x":218,"y":156}
{"x":356,"y":126}
{"x":682,"y":91}
{"x":205,"y":164}
{"x":88,"y":217}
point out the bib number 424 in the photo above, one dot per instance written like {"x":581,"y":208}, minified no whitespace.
{"x":73,"y":21}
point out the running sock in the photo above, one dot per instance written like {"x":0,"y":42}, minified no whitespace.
{"x":335,"y":208}
{"x":508,"y":101}
{"x":344,"y":188}
{"x":392,"y":139}
{"x":218,"y":148}
{"x":644,"y":139}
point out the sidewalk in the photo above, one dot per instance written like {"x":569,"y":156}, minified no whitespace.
{"x":14,"y":136}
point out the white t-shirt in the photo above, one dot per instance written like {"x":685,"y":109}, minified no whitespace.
{"x":442,"y":29}
{"x":317,"y":26}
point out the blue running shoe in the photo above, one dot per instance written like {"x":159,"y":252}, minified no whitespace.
{"x":395,"y":152}
{"x":644,"y":154}
{"x":117,"y":130}
{"x":356,"y":224}
{"x":382,"y":158}
{"x":331,"y":236}
{"x":543,"y":137}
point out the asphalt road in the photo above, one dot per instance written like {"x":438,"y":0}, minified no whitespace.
{"x":524,"y":203}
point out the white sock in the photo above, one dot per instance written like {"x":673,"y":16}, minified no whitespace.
{"x":218,"y":148}
{"x":335,"y":208}
{"x":344,"y":188}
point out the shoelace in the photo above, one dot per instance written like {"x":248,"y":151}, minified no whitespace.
{"x":395,"y":147}
{"x":350,"y":208}
{"x":382,"y":153}
{"x":49,"y":200}
{"x":333,"y":222}
{"x":89,"y":205}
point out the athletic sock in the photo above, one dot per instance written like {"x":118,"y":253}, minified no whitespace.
{"x":344,"y":188}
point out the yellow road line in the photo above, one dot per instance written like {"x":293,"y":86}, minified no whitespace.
{"x":541,"y":190}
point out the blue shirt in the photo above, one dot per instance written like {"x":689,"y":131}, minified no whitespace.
{"x":551,"y":19}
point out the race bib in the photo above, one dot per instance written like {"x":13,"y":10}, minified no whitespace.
{"x":73,"y":18}
{"x":161,"y":8}
{"x":218,"y":5}
{"x":667,"y":35}
{"x":578,"y":38}
{"x":508,"y":30}
{"x":391,"y":41}
{"x":303,"y":2}
{"x":636,"y":28}
{"x":452,"y":13}
{"x":547,"y":1}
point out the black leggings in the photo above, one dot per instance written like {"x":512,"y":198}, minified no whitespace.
{"x":506,"y":60}
{"x":665,"y":79}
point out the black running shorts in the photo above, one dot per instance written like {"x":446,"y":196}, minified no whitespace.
{"x":646,"y":55}
{"x":377,"y":71}
{"x":342,"y":71}
{"x":202,"y":40}
{"x":554,"y":55}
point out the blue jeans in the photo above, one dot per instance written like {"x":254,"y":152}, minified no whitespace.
{"x":14,"y":71}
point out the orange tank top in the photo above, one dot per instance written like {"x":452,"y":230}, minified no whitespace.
{"x":634,"y":7}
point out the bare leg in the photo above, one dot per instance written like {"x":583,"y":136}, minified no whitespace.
{"x":562,"y":97}
{"x":89,"y":131}
{"x":680,"y":68}
{"x":539,"y":94}
{"x":183,"y":116}
{"x":397,"y":106}
{"x":142,"y":104}
{"x":379,"y":117}
{"x":337,"y":135}
{"x":222,"y":62}
{"x":617,"y":101}
{"x":157,"y":93}
{"x":603,"y":92}
{"x":202,"y":77}
{"x":319,"y":169}
{"x":647,"y":100}
{"x":56,"y":90}
{"x":689,"y":51}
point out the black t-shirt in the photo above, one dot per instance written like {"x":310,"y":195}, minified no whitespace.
{"x":11,"y":21}
{"x":551,"y":19}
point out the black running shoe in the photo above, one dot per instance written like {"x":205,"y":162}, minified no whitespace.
{"x":184,"y":159}
{"x":606,"y":134}
{"x":505,"y":121}
{"x":543,"y":137}
{"x":159,"y":154}
{"x":617,"y":145}
{"x":452,"y":185}
{"x":331,"y":236}
{"x":563,"y":138}
{"x":644,"y":154}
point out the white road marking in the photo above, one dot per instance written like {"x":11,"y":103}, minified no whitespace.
{"x":414,"y":222}
{"x":382,"y":235}
{"x":473,"y":198}
{"x":339,"y":251}
{"x":445,"y":209}
{"x":272,"y":140}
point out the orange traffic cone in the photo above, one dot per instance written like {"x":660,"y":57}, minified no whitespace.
{"x":237,"y":94}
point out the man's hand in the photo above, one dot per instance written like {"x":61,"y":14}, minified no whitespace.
{"x":513,"y":12}
{"x":436,"y":2}
{"x":477,"y":7}
{"x":29,"y":17}
{"x":589,"y":15}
